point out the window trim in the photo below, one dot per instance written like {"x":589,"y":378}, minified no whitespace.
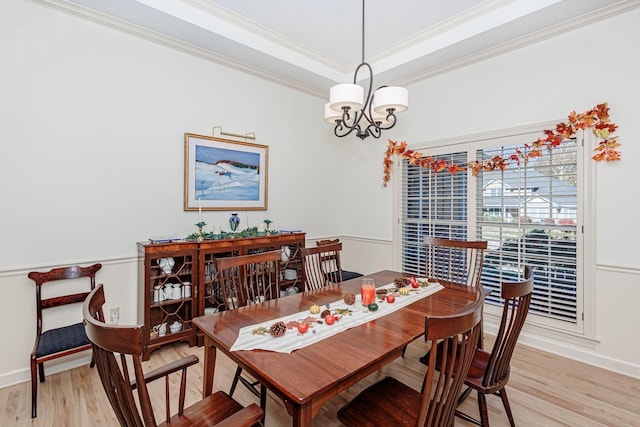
{"x":586,"y":265}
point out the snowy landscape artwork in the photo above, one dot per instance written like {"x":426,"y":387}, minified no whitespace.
{"x":223,"y":174}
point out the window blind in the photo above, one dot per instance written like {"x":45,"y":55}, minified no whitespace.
{"x":528,"y":214}
{"x":433,"y":204}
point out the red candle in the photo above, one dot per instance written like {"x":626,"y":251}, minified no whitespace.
{"x":368,"y":291}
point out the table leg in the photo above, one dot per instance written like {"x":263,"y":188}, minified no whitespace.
{"x":302,"y":415}
{"x":209,"y":366}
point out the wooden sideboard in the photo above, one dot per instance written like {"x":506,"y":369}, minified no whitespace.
{"x":178,"y":281}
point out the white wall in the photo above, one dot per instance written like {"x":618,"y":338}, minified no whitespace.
{"x":91,"y":155}
{"x":541,"y":83}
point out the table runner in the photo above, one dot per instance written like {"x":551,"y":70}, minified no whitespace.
{"x":292,"y":339}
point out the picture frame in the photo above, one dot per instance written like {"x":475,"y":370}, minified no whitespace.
{"x":223,"y":174}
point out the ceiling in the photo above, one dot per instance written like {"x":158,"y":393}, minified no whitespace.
{"x":313,"y":44}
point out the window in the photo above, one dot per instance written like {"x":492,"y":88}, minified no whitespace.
{"x":527,"y":213}
{"x":434,"y":204}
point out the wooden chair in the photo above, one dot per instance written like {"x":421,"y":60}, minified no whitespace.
{"x":489,"y":372}
{"x":62,"y":341}
{"x":321,"y":265}
{"x":390,"y":402}
{"x":245,"y":280}
{"x":454,"y":261}
{"x":346,"y":274}
{"x":129,"y":341}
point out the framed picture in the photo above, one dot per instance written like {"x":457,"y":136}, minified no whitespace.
{"x":221,"y":174}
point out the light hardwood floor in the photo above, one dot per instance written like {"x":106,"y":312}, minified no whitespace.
{"x":544,"y":390}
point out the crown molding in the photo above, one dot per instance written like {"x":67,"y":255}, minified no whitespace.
{"x":527,"y":40}
{"x":117,"y":24}
{"x":265,"y":33}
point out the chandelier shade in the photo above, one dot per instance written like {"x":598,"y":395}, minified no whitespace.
{"x":350,"y":110}
{"x":346,"y":95}
{"x":330,"y":115}
{"x":391,"y":97}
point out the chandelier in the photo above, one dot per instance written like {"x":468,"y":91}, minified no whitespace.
{"x":351,"y":111}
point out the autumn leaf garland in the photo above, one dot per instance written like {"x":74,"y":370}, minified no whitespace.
{"x":597,"y":119}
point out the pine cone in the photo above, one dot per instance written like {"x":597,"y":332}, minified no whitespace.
{"x":401,"y":282}
{"x":349,"y":298}
{"x":278,"y":329}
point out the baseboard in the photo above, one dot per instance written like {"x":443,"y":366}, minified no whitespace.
{"x":581,"y":350}
{"x":23,"y":375}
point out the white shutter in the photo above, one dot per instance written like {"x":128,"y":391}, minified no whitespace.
{"x":433,"y":204}
{"x":528,"y":213}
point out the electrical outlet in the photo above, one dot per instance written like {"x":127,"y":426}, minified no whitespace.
{"x":114,"y":315}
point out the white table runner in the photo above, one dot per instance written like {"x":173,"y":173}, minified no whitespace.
{"x":292,"y":339}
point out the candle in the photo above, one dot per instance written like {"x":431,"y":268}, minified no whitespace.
{"x":368,"y":291}
{"x":199,"y":210}
{"x":261,"y":227}
{"x":217,"y":229}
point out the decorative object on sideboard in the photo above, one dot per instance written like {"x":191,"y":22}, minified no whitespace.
{"x":262,"y":228}
{"x":351,"y":111}
{"x":200,"y":235}
{"x":268,"y":223}
{"x":234,"y":221}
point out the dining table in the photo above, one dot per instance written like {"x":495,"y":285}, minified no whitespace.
{"x":306,"y":378}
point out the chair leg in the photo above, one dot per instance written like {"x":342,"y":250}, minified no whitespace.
{"x":263,"y":402}
{"x":34,"y":389}
{"x":463,"y":396}
{"x":234,"y":383}
{"x":484,"y":413}
{"x":404,"y":350}
{"x":41,"y":370}
{"x":505,"y":401}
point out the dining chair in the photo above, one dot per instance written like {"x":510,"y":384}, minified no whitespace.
{"x":64,"y":340}
{"x":456,"y":262}
{"x":346,"y":274}
{"x":321,"y":265}
{"x":246,"y":280}
{"x":489,"y":372}
{"x":217,"y":409}
{"x":390,"y":402}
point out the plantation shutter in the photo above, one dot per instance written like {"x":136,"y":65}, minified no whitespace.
{"x":433,"y":204}
{"x":528,"y":213}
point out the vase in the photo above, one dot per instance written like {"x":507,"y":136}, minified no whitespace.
{"x":234,"y":221}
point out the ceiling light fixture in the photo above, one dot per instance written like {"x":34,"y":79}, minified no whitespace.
{"x":350,"y":111}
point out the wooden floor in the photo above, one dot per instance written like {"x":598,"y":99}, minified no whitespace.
{"x":545,"y":390}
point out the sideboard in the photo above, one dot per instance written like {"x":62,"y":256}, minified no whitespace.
{"x":178,"y":281}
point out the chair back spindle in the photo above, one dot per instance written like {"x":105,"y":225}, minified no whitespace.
{"x":129,"y":342}
{"x":454,"y":261}
{"x":321,"y":265}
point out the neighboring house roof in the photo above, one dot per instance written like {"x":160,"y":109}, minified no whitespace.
{"x":539,"y":188}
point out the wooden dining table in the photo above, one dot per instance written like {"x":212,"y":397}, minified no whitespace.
{"x":308,"y":377}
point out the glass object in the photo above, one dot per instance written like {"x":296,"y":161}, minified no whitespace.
{"x":368,"y":291}
{"x":234,"y":221}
